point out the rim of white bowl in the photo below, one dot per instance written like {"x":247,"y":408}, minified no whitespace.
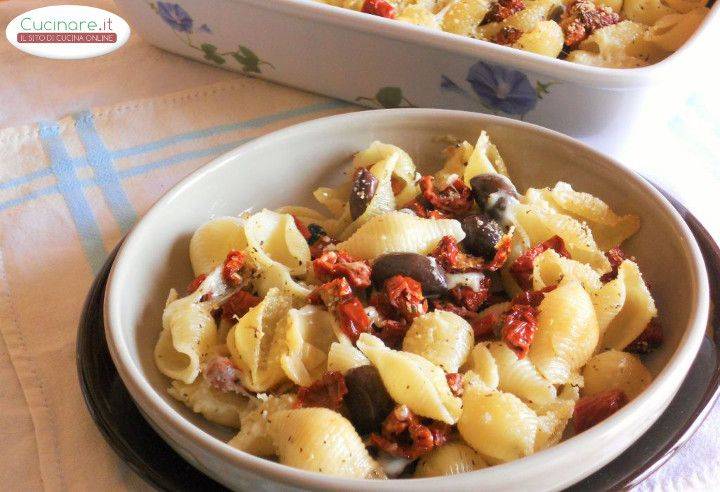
{"x":669,"y":378}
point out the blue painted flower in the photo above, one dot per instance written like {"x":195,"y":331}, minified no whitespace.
{"x":205,"y":28}
{"x":503,"y":89}
{"x":175,"y":16}
{"x":448,"y":85}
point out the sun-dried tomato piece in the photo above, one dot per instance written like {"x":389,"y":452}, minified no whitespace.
{"x":423,"y":209}
{"x":331,"y":293}
{"x":448,"y":254}
{"x":502,"y":9}
{"x":353,"y":318}
{"x":397,"y":184}
{"x":334,"y":264}
{"x":519,"y":326}
{"x":195,"y":283}
{"x":328,"y":392}
{"x":404,"y":435}
{"x":502,"y":251}
{"x":532,"y":297}
{"x":406,"y":296}
{"x":650,"y":339}
{"x":223,"y":375}
{"x":380,"y":8}
{"x":487,"y":326}
{"x":508,"y":35}
{"x":454,"y":198}
{"x":237,"y":305}
{"x":522,"y":267}
{"x":304,"y":230}
{"x":455,"y":382}
{"x":469,"y":299}
{"x":615,"y":256}
{"x":582,"y":17}
{"x":591,"y":410}
{"x":232,"y":267}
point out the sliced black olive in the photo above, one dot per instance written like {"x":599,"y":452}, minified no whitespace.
{"x":422,"y":268}
{"x":482,"y":233}
{"x":363,"y":190}
{"x":492,"y":193}
{"x":367,"y":400}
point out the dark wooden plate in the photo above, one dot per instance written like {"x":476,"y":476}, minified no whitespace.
{"x":132,"y":438}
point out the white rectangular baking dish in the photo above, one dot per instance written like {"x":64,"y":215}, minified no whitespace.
{"x":383,"y":63}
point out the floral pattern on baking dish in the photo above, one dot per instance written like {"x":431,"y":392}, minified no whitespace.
{"x":498,"y":89}
{"x":183,"y":26}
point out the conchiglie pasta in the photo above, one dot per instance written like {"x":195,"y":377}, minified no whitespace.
{"x":403,"y":170}
{"x":554,"y":417}
{"x":212,"y":241}
{"x":549,"y":268}
{"x":463,"y":16}
{"x":497,"y":425}
{"x":671,"y":31}
{"x":275,"y":238}
{"x":546,"y":39}
{"x":343,"y":356}
{"x":567,"y":333}
{"x":449,"y":459}
{"x":484,"y":158}
{"x":318,"y":439}
{"x":412,"y":380}
{"x":224,"y":408}
{"x":637,"y":309}
{"x":276,"y":275}
{"x":399,"y":232}
{"x":520,"y":377}
{"x":645,"y":11}
{"x":483,"y":365}
{"x":309,"y":216}
{"x":615,"y":370}
{"x":253,"y":436}
{"x":257,"y":342}
{"x":442,"y":337}
{"x":308,"y":335}
{"x":188,"y":333}
{"x":608,"y":228}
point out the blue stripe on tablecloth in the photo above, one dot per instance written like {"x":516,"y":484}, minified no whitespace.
{"x":71,"y":190}
{"x":217,"y":130}
{"x":159,"y":144}
{"x":106,"y":176}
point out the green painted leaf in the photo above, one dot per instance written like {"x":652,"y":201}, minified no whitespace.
{"x":389,"y":97}
{"x":248,"y":54}
{"x":211,"y":53}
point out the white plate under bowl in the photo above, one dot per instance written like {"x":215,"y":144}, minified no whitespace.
{"x":283,"y":168}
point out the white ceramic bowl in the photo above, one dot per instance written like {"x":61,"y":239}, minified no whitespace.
{"x":353,"y":56}
{"x":283,"y":168}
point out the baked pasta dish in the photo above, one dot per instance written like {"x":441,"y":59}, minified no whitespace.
{"x":425,"y":325}
{"x":606,"y":33}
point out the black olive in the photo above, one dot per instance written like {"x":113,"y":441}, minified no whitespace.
{"x":363,"y":190}
{"x":482,"y":233}
{"x":422,"y":268}
{"x":492,"y":193}
{"x":367,"y":400}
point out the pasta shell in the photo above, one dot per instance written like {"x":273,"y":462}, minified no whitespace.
{"x":549,"y":268}
{"x":212,"y":241}
{"x":224,"y":408}
{"x":636,"y":312}
{"x":343,"y":356}
{"x":567,"y":333}
{"x":497,"y":425}
{"x":257,"y":341}
{"x":308,"y":336}
{"x":520,"y":377}
{"x":274,"y":237}
{"x":253,"y":436}
{"x":615,"y":370}
{"x":442,"y":337}
{"x":188,"y":334}
{"x":412,"y":380}
{"x":399,"y":232}
{"x":449,"y":459}
{"x":403,"y":170}
{"x":320,"y":440}
{"x":483,"y":365}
